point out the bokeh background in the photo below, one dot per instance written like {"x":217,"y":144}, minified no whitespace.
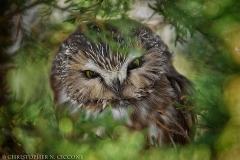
{"x":203,"y":35}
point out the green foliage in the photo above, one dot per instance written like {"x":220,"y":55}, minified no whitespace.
{"x":28,"y":122}
{"x":101,"y":9}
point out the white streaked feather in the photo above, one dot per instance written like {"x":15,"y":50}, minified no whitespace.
{"x":63,"y":96}
{"x":109,"y":63}
{"x":76,"y":108}
{"x":172,"y":141}
{"x":104,"y":103}
{"x":119,"y":113}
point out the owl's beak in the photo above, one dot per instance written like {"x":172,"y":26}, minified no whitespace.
{"x":117,"y":87}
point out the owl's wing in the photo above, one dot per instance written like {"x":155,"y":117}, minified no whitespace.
{"x":184,"y":89}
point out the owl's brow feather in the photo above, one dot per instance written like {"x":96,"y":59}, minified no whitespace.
{"x":103,"y":57}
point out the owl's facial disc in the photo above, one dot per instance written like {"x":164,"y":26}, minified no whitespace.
{"x":118,"y":80}
{"x":113,"y":81}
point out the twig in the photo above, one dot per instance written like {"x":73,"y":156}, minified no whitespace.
{"x":183,"y":133}
{"x":166,"y":128}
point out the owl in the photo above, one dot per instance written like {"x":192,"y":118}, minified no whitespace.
{"x":125,"y":65}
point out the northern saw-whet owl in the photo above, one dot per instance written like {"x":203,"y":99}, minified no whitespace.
{"x":124,"y":64}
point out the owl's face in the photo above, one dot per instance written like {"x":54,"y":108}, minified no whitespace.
{"x":97,"y":80}
{"x":96,"y":74}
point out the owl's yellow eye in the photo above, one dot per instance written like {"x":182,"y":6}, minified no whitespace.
{"x":91,"y":74}
{"x":134,"y":64}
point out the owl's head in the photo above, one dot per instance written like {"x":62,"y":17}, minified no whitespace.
{"x":105,"y":63}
